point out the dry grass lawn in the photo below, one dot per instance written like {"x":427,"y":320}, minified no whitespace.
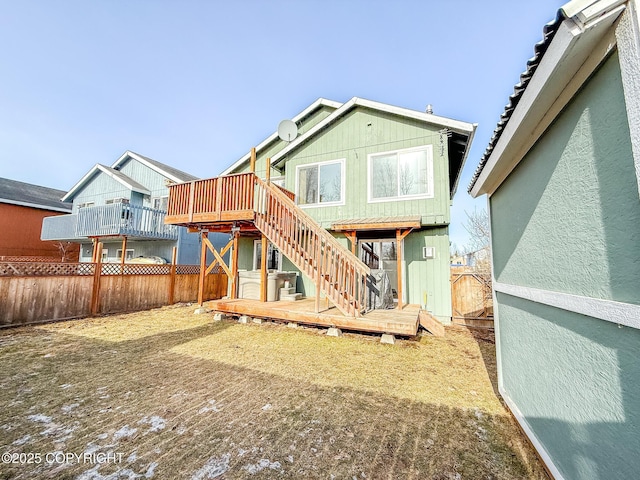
{"x":177,"y":395}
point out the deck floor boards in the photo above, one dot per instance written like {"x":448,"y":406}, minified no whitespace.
{"x":397,"y":322}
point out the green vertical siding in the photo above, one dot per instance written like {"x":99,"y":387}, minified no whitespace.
{"x":355,"y":136}
{"x":429,"y":276}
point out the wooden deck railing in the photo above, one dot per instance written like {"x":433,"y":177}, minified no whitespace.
{"x":214,"y":199}
{"x":332,"y":267}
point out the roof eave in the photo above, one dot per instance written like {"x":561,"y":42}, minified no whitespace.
{"x":464,"y":160}
{"x":455,"y":125}
{"x":575,"y":51}
{"x":139,"y":158}
{"x":320,"y":102}
{"x":35,"y":205}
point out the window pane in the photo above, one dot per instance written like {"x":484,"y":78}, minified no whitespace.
{"x":308,"y":185}
{"x":330,"y":182}
{"x":413,"y":173}
{"x":384,"y":176}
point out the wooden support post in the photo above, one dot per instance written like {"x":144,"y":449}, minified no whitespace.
{"x":268,"y":176}
{"x":94,"y":242}
{"x":319,"y":273}
{"x":97,"y":273}
{"x":351,"y":235}
{"x":263,"y":270}
{"x":253,"y":160}
{"x":203,"y":266}
{"x":123,"y":255}
{"x":172,"y":276}
{"x":400,"y":234}
{"x":234,"y":266}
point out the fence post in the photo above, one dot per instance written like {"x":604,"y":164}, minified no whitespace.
{"x":172,"y":275}
{"x":97,"y":273}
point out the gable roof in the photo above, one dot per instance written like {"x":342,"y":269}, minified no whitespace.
{"x":163,"y":169}
{"x":29,"y":195}
{"x":118,"y":176}
{"x":460,"y":140}
{"x":319,"y":103}
{"x":462,"y":133}
{"x":564,"y":58}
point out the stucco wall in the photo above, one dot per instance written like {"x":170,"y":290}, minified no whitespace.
{"x":567,"y":220}
{"x":576,"y":381}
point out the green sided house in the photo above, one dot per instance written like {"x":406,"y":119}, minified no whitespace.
{"x":562,"y":177}
{"x":350,"y":199}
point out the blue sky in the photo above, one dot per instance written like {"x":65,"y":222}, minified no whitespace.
{"x":196,"y":84}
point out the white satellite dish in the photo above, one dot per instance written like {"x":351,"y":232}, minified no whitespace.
{"x":287,"y":130}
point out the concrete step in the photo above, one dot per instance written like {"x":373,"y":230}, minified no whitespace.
{"x":291,"y":296}
{"x":287,"y":291}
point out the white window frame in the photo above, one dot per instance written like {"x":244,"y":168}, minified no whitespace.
{"x":400,"y":198}
{"x":126,"y":255}
{"x":342,"y":162}
{"x":154,"y":199}
{"x":86,"y":205}
{"x":280,"y":181}
{"x":111,"y":201}
{"x":258,"y":244}
{"x":105,"y":255}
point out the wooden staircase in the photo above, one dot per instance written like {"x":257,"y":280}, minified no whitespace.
{"x":222,"y":202}
{"x":335,"y":271}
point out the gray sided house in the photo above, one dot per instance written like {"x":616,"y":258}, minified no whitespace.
{"x":562,"y":176}
{"x":126,"y":200}
{"x":380,"y":179}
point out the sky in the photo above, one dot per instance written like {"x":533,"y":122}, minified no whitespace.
{"x":195,"y":84}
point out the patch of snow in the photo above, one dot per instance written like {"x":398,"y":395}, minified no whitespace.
{"x":290,"y":459}
{"x":22,"y":441}
{"x":267,"y":407}
{"x":39,"y":418}
{"x":68,"y":408}
{"x":133,"y":457}
{"x":157,"y":423}
{"x":181,"y":430}
{"x":261,"y":465}
{"x":47,"y":355}
{"x":215,"y":467}
{"x":65,"y":386}
{"x":103,"y":436}
{"x":151,"y":470}
{"x":91,"y":448}
{"x":211,"y":408}
{"x":124,"y":432}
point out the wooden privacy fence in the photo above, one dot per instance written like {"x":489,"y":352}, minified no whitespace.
{"x":32,"y":292}
{"x":471,"y":298}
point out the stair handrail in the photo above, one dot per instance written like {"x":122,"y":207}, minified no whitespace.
{"x":321,"y":231}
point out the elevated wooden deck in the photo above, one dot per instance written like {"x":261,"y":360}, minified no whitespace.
{"x":397,"y":322}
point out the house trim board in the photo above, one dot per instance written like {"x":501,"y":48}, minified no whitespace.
{"x":35,"y":205}
{"x":628,"y":38}
{"x":142,"y":160}
{"x":454,"y":125}
{"x":117,"y":176}
{"x":274,"y":136}
{"x":574,"y":54}
{"x":537,"y":445}
{"x":620,"y":313}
